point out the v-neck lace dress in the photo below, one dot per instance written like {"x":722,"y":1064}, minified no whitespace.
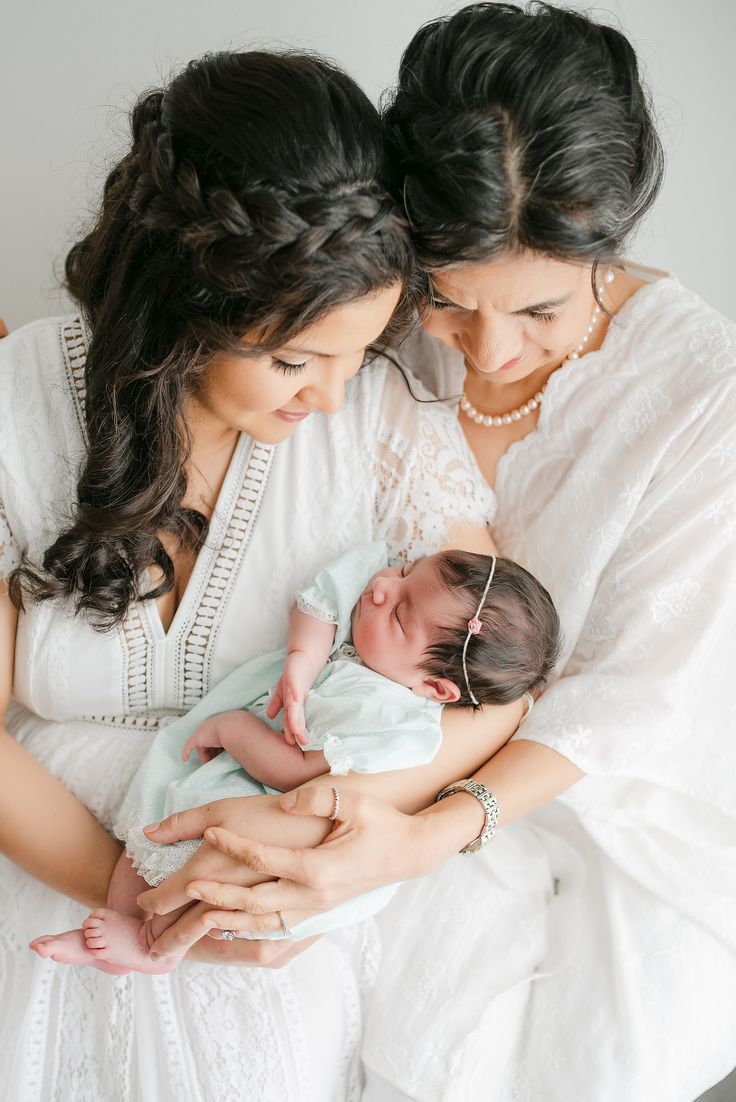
{"x":88,"y":704}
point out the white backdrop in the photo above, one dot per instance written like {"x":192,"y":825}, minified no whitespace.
{"x":69,"y":71}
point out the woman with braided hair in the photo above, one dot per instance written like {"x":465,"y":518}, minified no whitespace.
{"x":168,"y":479}
{"x":588,"y":952}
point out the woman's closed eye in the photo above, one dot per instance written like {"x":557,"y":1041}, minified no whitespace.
{"x":285,"y":367}
{"x":444,"y":304}
{"x":542,"y":315}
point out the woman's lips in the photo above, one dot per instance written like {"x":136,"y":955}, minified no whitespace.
{"x":511,"y":363}
{"x":508,"y":366}
{"x":291,"y":417}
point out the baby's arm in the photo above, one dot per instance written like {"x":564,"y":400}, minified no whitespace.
{"x":261,"y":751}
{"x":309,"y":644}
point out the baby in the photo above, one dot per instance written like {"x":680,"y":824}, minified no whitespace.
{"x":374,"y":653}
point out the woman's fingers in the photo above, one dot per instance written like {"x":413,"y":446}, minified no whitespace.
{"x":267,"y":898}
{"x":320,"y":800}
{"x":277,"y":861}
{"x":193,"y":925}
{"x":183,"y":824}
{"x":240,"y":923}
{"x":197,"y":923}
{"x":207,"y":863}
{"x":167,"y":896}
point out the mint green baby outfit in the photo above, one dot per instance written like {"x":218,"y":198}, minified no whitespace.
{"x":361,"y":720}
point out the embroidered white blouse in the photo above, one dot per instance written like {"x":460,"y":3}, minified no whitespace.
{"x":590,"y":951}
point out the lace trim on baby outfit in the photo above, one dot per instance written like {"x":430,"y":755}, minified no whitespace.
{"x":314,"y":611}
{"x":337,"y":756}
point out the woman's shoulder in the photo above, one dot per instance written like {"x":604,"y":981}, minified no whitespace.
{"x":677,"y":339}
{"x":44,"y":358}
{"x":41,"y":420}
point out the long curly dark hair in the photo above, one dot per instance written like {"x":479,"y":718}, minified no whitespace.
{"x":522,"y":128}
{"x":253,"y":198}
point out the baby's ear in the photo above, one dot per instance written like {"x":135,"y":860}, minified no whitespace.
{"x":440,"y":689}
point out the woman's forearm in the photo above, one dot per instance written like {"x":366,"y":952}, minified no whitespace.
{"x":523,"y":775}
{"x":469,"y":739}
{"x":48,"y":832}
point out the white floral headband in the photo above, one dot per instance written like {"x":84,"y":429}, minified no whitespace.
{"x":475,"y":625}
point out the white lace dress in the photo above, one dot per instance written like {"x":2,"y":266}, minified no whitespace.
{"x":87,"y":705}
{"x":589,"y":953}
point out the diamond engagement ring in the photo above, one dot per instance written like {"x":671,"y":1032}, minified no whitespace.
{"x":336,"y":808}
{"x":286,"y":928}
{"x":227,"y":935}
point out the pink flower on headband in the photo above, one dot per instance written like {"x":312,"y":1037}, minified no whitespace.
{"x":474,"y":626}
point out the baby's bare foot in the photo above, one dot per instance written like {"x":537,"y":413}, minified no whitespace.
{"x":121,"y":940}
{"x":70,"y":948}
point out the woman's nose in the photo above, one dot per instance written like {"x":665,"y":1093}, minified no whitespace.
{"x":490,"y":344}
{"x":327,"y":392}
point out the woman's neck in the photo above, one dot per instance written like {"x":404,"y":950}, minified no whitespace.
{"x":213,"y":445}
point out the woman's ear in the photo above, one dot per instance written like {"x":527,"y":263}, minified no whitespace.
{"x":440,"y":689}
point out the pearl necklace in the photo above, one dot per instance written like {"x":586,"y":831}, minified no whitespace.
{"x":489,"y":420}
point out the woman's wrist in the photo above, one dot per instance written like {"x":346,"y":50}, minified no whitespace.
{"x":449,"y":826}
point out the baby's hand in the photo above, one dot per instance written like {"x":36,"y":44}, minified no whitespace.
{"x":206,"y":741}
{"x":296,"y":681}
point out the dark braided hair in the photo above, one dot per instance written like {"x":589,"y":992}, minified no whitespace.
{"x":519,"y":641}
{"x":522,"y":128}
{"x":253,"y":200}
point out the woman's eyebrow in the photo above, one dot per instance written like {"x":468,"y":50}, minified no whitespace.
{"x":301,"y":351}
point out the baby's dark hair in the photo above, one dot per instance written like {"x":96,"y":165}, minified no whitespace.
{"x":519,"y":641}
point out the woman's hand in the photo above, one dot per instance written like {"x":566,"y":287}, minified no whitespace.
{"x":369,"y":845}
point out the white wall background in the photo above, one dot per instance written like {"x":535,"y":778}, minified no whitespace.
{"x":70,"y":69}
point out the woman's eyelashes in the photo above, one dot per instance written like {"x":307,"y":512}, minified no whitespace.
{"x":535,"y":315}
{"x":285,"y":367}
{"x":443,"y":304}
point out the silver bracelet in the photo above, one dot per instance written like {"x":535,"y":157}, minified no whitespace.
{"x":488,"y":802}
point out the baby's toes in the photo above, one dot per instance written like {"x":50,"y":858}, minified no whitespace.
{"x":94,"y":918}
{"x":94,"y":940}
{"x":44,"y":945}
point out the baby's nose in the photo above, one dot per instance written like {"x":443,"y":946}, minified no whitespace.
{"x":379,"y":590}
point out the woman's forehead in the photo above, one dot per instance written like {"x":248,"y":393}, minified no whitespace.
{"x":515,"y":280}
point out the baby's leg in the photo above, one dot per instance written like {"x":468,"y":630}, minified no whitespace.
{"x":125,"y":887}
{"x":72,"y":947}
{"x":114,"y":939}
{"x":124,"y":941}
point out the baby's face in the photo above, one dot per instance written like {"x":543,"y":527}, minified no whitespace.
{"x":396,"y":619}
